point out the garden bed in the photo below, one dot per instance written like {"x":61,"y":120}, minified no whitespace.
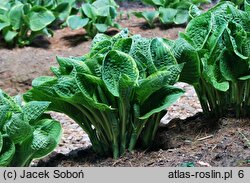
{"x":194,"y":141}
{"x":224,"y":145}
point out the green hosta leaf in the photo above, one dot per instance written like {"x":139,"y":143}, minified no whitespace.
{"x":214,"y":42}
{"x":39,"y":145}
{"x":41,"y":80}
{"x":103,"y":10}
{"x":199,"y":29}
{"x":126,"y":86}
{"x":46,"y":138}
{"x":101,"y":3}
{"x":155,"y":81}
{"x":70,"y":89}
{"x":112,"y":16}
{"x":194,"y":11}
{"x":161,"y":54}
{"x":57,"y":105}
{"x":123,"y":45}
{"x":68,"y":65}
{"x":1,"y":141}
{"x":87,"y":86}
{"x":115,"y":64}
{"x":18,"y":129}
{"x":213,"y":75}
{"x":3,"y":24}
{"x":247,"y":5}
{"x":141,"y":45}
{"x":39,"y":18}
{"x":15,"y":16}
{"x":167,"y":15}
{"x":4,"y":110}
{"x":232,"y":67}
{"x":9,"y":35}
{"x":62,"y":11}
{"x":124,"y":33}
{"x":101,"y":27}
{"x":52,"y":127}
{"x":185,"y":53}
{"x":90,"y":11}
{"x":33,"y":110}
{"x":66,"y":88}
{"x":9,"y":103}
{"x":234,"y":45}
{"x":99,"y":38}
{"x":175,"y":71}
{"x":76,"y":22}
{"x":142,"y":65}
{"x":149,"y":16}
{"x":99,"y":51}
{"x":181,"y":17}
{"x":160,"y":100}
{"x":145,"y":64}
{"x":7,"y":152}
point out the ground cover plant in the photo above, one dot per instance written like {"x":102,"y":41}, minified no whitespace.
{"x":94,"y":17}
{"x":169,"y":12}
{"x":60,"y":8}
{"x":21,"y":23}
{"x":242,"y":4}
{"x":26,"y":133}
{"x":106,"y":91}
{"x":216,"y":49}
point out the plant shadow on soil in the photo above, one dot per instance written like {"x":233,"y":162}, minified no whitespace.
{"x":195,"y":139}
{"x":38,"y":42}
{"x":77,"y":39}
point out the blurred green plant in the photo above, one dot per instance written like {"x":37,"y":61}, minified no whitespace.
{"x":95,"y":17}
{"x":168,"y":12}
{"x":242,"y":4}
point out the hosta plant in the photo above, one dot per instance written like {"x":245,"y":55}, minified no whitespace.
{"x":60,"y":8}
{"x":242,"y":4}
{"x":26,"y":132}
{"x":95,"y":17}
{"x":216,"y":50}
{"x":118,"y":92}
{"x":169,"y":12}
{"x":21,"y":23}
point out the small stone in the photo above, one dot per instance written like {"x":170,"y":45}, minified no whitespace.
{"x":188,"y":142}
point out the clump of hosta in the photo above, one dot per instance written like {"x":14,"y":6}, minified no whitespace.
{"x":95,"y":17}
{"x":242,"y":4}
{"x":171,"y":11}
{"x":118,"y":92}
{"x":26,"y":133}
{"x":216,"y":50}
{"x":21,"y":21}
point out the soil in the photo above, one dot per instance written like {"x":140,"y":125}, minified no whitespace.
{"x":195,"y":141}
{"x":181,"y":140}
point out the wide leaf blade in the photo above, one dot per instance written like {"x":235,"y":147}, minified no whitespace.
{"x":115,"y":64}
{"x":160,"y":100}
